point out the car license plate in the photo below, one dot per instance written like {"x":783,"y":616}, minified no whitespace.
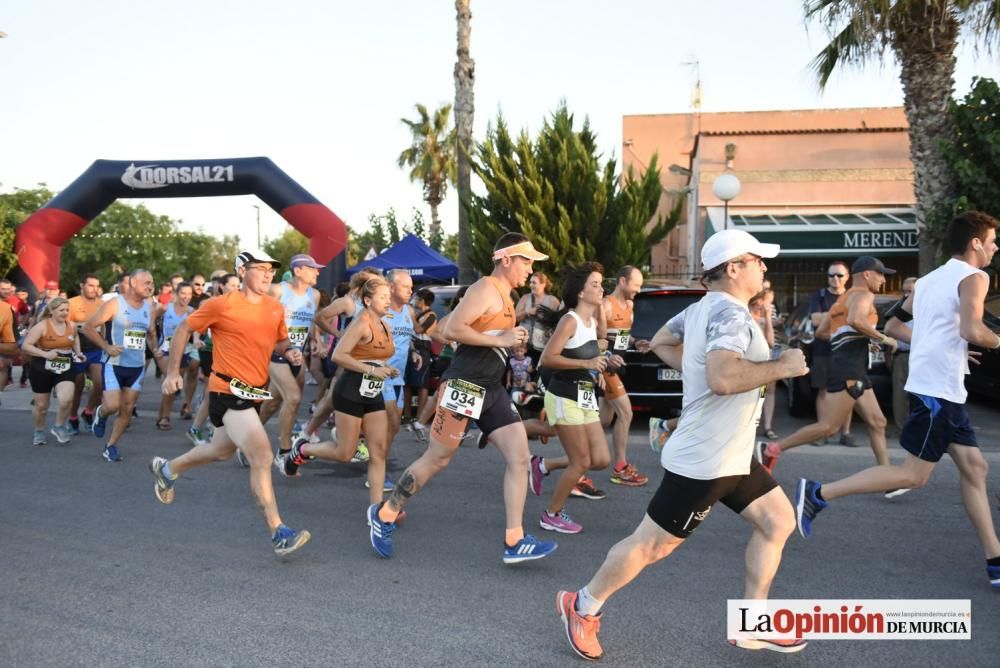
{"x":668,"y":374}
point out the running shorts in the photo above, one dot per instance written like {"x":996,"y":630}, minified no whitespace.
{"x":347,"y":396}
{"x":563,"y":411}
{"x":613,"y":386}
{"x":278,"y":359}
{"x":933,"y":425}
{"x":393,"y":394}
{"x":681,"y":504}
{"x":42,"y":381}
{"x":123,"y":377}
{"x":448,"y":428}
{"x":219,"y":403}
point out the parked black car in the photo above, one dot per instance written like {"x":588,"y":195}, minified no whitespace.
{"x":799,"y":334}
{"x":984,"y":378}
{"x":653,"y":386}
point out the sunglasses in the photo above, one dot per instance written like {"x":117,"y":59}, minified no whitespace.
{"x":836,"y":275}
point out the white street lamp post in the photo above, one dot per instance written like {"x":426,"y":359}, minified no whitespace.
{"x":726,"y":187}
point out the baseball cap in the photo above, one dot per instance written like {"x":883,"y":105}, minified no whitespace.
{"x":869,"y":263}
{"x":726,"y":245}
{"x":255,"y":255}
{"x":52,"y":285}
{"x":524,"y":249}
{"x":304,"y":260}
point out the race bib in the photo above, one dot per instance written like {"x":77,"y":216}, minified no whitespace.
{"x":585,"y":396}
{"x":58,"y":364}
{"x":621,"y":339}
{"x":134,"y":339}
{"x":247,"y":391}
{"x":165,"y":346}
{"x":371,"y":386}
{"x":464,"y":398}
{"x":297,"y":335}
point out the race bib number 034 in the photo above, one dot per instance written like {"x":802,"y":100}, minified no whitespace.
{"x":464,"y":398}
{"x":134,"y":339}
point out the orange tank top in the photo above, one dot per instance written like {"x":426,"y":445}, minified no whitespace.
{"x":838,"y":312}
{"x":51,"y":340}
{"x":499,"y":321}
{"x":620,"y":316}
{"x":380,"y":348}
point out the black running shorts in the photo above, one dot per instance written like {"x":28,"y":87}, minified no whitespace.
{"x":681,"y":504}
{"x":347,"y":396}
{"x":219,"y":403}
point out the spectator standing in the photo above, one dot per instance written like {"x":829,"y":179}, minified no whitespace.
{"x":819,"y":305}
{"x":526,"y":313}
{"x":901,"y":331}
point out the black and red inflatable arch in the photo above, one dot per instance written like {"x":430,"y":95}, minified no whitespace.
{"x":40,"y":238}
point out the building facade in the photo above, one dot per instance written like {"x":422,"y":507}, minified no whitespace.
{"x":825,"y":184}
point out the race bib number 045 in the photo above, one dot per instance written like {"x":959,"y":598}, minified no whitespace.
{"x":464,"y":398}
{"x":58,"y":364}
{"x":371,"y":386}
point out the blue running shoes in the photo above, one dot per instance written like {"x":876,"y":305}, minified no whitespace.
{"x":807,"y":505}
{"x":380,"y":532}
{"x":527,"y":549}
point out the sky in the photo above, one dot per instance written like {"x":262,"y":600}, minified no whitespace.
{"x":320,"y":86}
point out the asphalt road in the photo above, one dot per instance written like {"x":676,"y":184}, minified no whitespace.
{"x":97,"y":573}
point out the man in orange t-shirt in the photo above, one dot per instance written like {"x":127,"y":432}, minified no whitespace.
{"x":81,"y":308}
{"x":247,"y":325}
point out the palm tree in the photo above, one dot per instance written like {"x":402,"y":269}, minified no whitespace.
{"x":922,"y":35}
{"x":465,"y":77}
{"x":431,"y":157}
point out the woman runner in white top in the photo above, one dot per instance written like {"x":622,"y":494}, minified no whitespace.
{"x":573,"y":356}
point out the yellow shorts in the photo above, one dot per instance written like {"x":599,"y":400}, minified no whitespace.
{"x":562,"y":411}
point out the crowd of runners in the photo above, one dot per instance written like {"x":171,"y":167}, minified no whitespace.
{"x":238,"y":349}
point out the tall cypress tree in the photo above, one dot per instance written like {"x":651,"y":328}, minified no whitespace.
{"x":556,"y":191}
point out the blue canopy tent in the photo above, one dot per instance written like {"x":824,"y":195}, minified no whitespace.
{"x":424,"y":263}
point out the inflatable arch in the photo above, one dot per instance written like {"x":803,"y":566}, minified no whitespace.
{"x":40,"y":238}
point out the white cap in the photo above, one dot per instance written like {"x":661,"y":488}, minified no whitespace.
{"x":729,"y":245}
{"x":255,"y":255}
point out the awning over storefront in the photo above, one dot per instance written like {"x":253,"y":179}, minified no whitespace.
{"x":878,"y":232}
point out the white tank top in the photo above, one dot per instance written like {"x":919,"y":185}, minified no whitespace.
{"x":938,"y":354}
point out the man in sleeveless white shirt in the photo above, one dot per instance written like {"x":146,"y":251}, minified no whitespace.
{"x":725,"y":362}
{"x":947,"y":315}
{"x":300,"y":299}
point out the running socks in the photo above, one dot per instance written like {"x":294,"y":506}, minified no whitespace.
{"x":387,"y":514}
{"x":513,"y":536}
{"x":166,"y":472}
{"x":586,"y":604}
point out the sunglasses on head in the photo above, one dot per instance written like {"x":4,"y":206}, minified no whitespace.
{"x":836,"y":275}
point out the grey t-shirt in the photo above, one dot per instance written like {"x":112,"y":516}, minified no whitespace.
{"x":715,"y":435}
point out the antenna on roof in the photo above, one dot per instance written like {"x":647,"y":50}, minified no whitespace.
{"x":695,"y":64}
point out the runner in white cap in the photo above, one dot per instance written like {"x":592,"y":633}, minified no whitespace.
{"x":726,"y":364}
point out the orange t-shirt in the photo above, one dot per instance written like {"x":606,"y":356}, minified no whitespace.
{"x":6,"y":324}
{"x":243,"y":336}
{"x":80,"y":310}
